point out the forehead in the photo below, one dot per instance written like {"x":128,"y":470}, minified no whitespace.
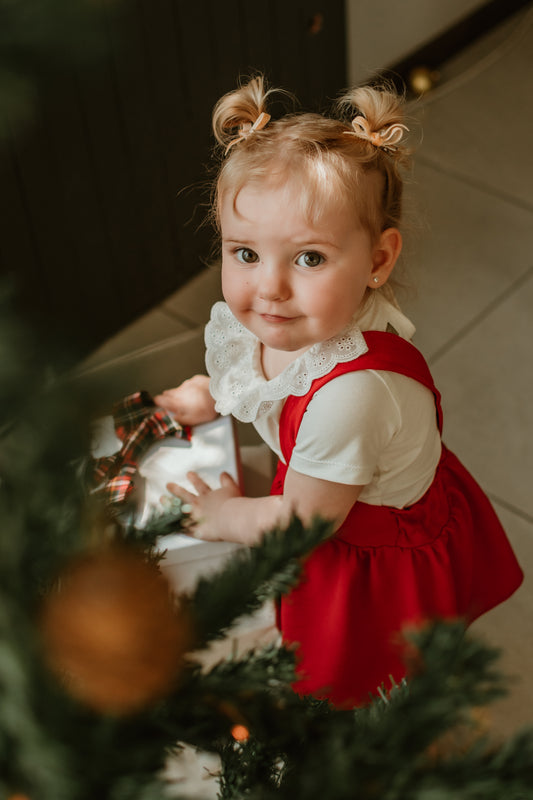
{"x":285,"y":197}
{"x":268,"y":215}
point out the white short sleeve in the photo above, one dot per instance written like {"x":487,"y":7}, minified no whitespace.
{"x":348,"y":423}
{"x":371,"y":428}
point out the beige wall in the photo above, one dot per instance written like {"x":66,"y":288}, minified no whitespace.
{"x":381,"y":32}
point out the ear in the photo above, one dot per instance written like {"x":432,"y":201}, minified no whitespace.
{"x":384,"y":257}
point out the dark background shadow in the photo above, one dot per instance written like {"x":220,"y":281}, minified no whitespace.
{"x":102,"y":193}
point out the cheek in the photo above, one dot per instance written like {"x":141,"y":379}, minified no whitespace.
{"x":337,"y":297}
{"x":226,"y":281}
{"x":339,"y":307}
{"x":234,"y":285}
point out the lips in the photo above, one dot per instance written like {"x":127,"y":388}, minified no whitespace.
{"x":275,"y":318}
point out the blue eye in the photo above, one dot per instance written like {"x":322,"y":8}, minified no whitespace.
{"x":246,"y":256}
{"x":310,"y":259}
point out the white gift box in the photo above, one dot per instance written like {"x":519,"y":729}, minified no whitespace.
{"x":212,"y":449}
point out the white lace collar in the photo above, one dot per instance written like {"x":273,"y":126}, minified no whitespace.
{"x":233,"y":359}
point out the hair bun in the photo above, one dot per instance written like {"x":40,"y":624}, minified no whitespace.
{"x":388,"y":138}
{"x":377,"y":116}
{"x":240,"y":112}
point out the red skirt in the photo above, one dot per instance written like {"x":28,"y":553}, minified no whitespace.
{"x":386,"y":570}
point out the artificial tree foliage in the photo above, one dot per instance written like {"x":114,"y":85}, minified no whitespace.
{"x":419,"y":740}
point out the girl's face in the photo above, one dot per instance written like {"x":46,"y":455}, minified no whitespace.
{"x":291,"y":281}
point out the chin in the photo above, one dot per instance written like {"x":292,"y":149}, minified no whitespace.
{"x":295,"y":347}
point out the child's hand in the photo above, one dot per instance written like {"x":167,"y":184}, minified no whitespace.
{"x":190,"y":403}
{"x":206,"y":506}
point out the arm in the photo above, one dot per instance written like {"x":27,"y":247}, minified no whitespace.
{"x":224,"y":515}
{"x":190,"y":403}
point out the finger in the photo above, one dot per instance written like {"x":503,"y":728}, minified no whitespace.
{"x":199,"y":484}
{"x":190,"y":513}
{"x":167,"y":403}
{"x":173,"y":504}
{"x":202,"y":531}
{"x":227,"y":481}
{"x":183,"y":494}
{"x":189,"y":527}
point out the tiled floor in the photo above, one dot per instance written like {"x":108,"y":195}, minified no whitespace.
{"x":473,"y":309}
{"x":472,"y":261}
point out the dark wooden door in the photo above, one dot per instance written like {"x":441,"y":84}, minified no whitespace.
{"x":102,"y":198}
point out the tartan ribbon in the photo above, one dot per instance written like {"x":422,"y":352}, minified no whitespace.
{"x":139,"y":423}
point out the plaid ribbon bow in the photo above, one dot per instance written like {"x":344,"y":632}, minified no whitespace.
{"x":139,"y":423}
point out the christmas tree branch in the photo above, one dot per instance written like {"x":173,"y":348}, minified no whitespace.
{"x":420,"y":741}
{"x":424,"y":740}
{"x":251,"y":577}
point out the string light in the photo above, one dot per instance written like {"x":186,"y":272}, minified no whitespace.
{"x":240,"y":733}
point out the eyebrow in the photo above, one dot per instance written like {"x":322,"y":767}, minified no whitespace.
{"x":243,"y":242}
{"x":310,"y":244}
{"x":305,"y":243}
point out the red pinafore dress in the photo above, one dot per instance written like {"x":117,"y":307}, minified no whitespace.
{"x":386,"y":569}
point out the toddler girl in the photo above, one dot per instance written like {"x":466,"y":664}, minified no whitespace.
{"x":312,"y":348}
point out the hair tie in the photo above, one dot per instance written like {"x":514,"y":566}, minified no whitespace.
{"x":247,"y":128}
{"x":387,"y":138}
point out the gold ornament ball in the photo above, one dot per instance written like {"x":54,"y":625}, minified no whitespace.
{"x":112,"y":633}
{"x":423,"y":79}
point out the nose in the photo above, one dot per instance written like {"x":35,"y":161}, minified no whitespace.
{"x":274,"y":282}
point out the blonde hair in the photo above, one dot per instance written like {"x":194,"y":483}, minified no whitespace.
{"x":332,"y":159}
